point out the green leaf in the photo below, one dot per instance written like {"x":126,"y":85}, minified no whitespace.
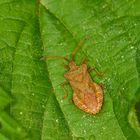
{"x":112,"y":50}
{"x":56,"y":124}
{"x":32,"y":101}
{"x":22,"y":76}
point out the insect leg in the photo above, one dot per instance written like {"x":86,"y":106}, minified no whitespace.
{"x":84,"y":61}
{"x":66,"y":66}
{"x":63,"y":87}
{"x":97,"y":72}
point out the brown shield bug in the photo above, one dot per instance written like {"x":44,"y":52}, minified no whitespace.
{"x":87,"y":94}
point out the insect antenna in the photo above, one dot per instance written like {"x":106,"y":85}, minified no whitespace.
{"x":63,"y":57}
{"x":79,"y":45}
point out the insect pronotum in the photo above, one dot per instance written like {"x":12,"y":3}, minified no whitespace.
{"x":87,"y":94}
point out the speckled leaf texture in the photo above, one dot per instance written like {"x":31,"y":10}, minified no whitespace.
{"x":33,"y":103}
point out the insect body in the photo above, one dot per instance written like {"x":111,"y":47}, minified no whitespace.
{"x":87,"y":95}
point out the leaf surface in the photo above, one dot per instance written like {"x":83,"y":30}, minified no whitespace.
{"x":32,"y":101}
